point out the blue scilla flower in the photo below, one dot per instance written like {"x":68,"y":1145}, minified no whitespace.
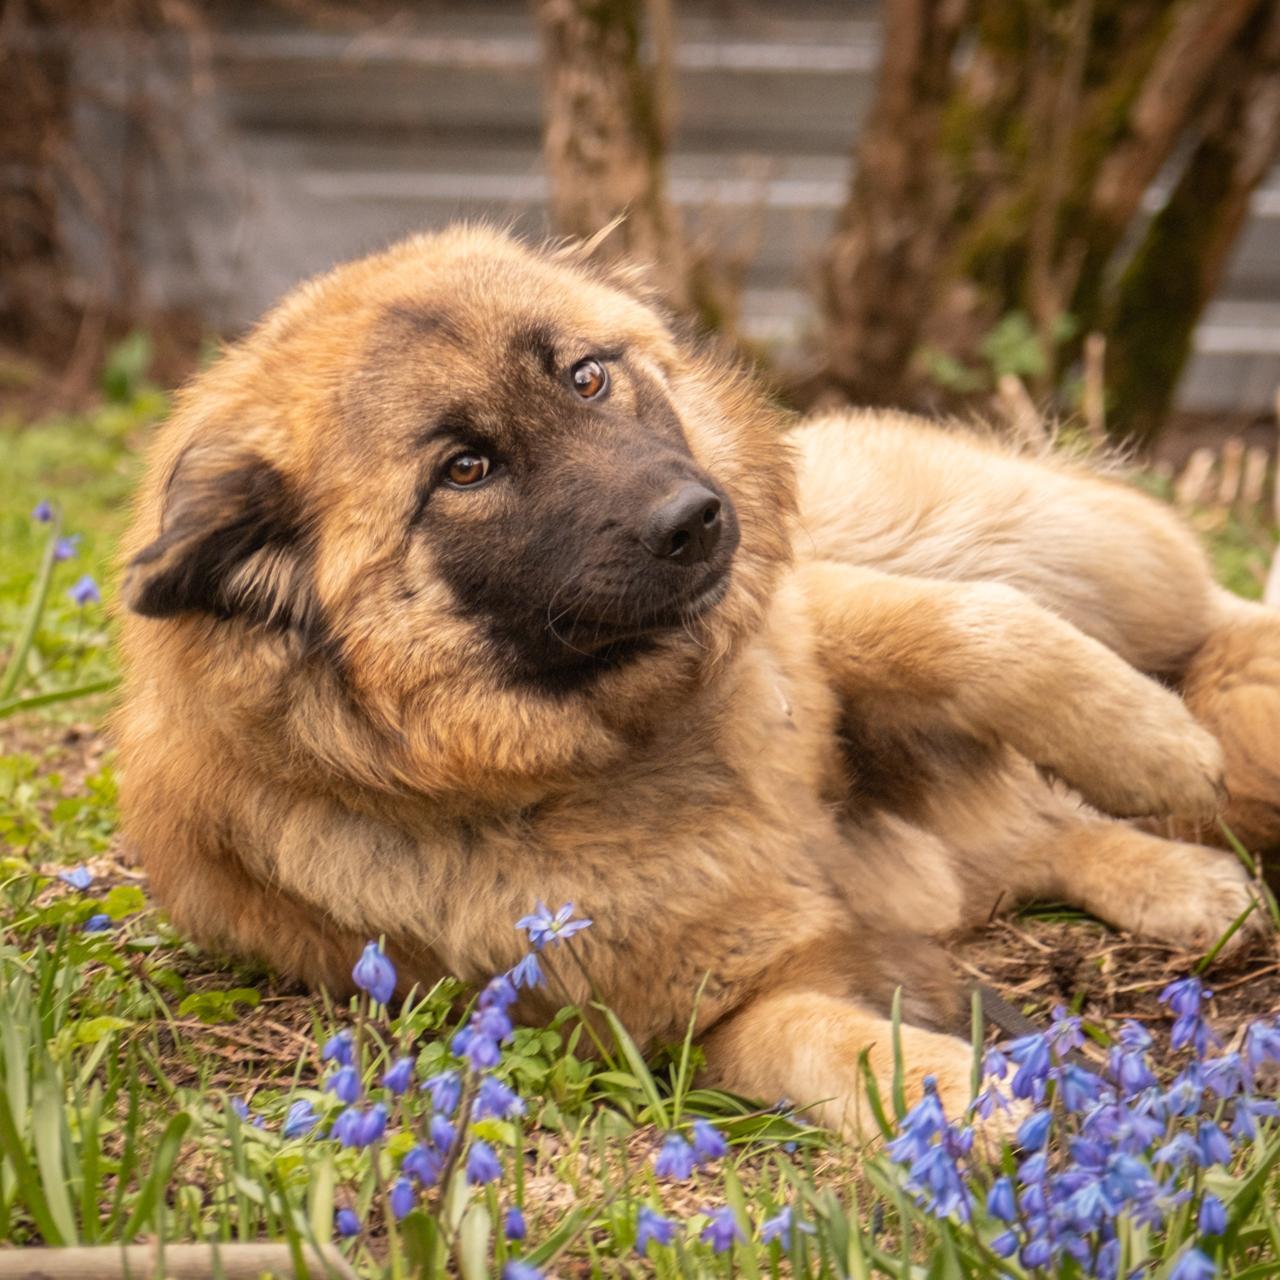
{"x":652,"y":1227}
{"x":480,"y":1051}
{"x":344,"y":1084}
{"x":1005,"y":1245}
{"x":1129,"y":1070}
{"x":499,"y":993}
{"x":482,"y":1164}
{"x":543,"y":927}
{"x":1182,"y":1097}
{"x":1031,"y":1054}
{"x":441,"y":1132}
{"x":675,"y":1159}
{"x":493,"y":1098}
{"x":782,"y":1224}
{"x":423,"y":1164}
{"x":919,"y":1126}
{"x":241,"y":1108}
{"x":995,"y":1066}
{"x":445,"y":1089}
{"x":722,"y":1231}
{"x":937,"y":1176}
{"x":518,"y":1269}
{"x":399,"y":1075}
{"x":1261,"y":1044}
{"x":346,"y":1223}
{"x":373,"y":1124}
{"x":989,"y":1101}
{"x":299,"y":1120}
{"x":1226,"y":1076}
{"x":42,"y":512}
{"x":1078,"y":1087}
{"x":513,"y":1224}
{"x":1134,"y":1037}
{"x":1213,"y":1145}
{"x":85,"y":591}
{"x":1248,"y":1111}
{"x":1034,"y":1130}
{"x":375,"y":973}
{"x":1036,"y":1253}
{"x":1212,"y":1218}
{"x":1000,"y":1203}
{"x":403,"y":1197}
{"x":97,"y":922}
{"x":1194,"y":1265}
{"x":528,"y":973}
{"x":708,"y":1143}
{"x":338,"y":1048}
{"x":1065,"y":1034}
{"x":77,"y":877}
{"x":65,"y":548}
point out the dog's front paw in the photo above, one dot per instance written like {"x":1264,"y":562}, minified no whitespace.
{"x":1187,"y":895}
{"x":1157,"y":762}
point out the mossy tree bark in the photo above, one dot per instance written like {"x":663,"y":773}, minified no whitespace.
{"x":607,"y":124}
{"x":1028,"y":170}
{"x":1177,"y":267}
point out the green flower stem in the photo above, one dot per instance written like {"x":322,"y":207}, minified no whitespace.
{"x":40,"y":597}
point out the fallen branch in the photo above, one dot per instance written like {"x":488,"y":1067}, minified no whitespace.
{"x":175,"y":1261}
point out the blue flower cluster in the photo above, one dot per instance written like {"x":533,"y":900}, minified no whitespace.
{"x":1125,"y":1149}
{"x":85,"y":590}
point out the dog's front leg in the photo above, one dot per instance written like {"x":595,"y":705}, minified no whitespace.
{"x":806,"y":1047}
{"x":984,"y":658}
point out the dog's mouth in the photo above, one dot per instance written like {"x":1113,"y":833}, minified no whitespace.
{"x":608,"y":632}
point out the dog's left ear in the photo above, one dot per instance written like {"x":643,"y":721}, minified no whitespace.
{"x":231,"y":544}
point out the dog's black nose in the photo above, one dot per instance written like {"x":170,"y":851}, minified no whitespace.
{"x":684,"y":527}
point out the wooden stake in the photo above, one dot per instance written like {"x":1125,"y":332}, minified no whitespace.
{"x":174,"y":1261}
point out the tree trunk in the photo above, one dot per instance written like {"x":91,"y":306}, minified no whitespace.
{"x":607,"y":127}
{"x":1177,"y":267}
{"x":1005,"y":192}
{"x":883,"y":256}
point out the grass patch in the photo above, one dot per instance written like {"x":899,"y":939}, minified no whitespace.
{"x":149,"y":1091}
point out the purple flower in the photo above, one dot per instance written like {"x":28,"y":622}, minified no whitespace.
{"x":346,"y":1222}
{"x":1064,"y":1034}
{"x":43,"y":511}
{"x":1213,"y":1145}
{"x":518,"y":1269}
{"x":338,"y":1048}
{"x":528,"y":973}
{"x":1225,"y":1076}
{"x":675,"y":1159}
{"x":723,"y":1230}
{"x":480,"y":1051}
{"x":1005,"y":1245}
{"x":652,"y":1226}
{"x":65,"y":548}
{"x":493,"y":1098}
{"x":1212,"y":1219}
{"x":77,"y":877}
{"x":445,"y":1090}
{"x":299,"y":1120}
{"x":708,"y":1144}
{"x":919,"y":1125}
{"x":513,"y":1224}
{"x":1033,"y":1131}
{"x":499,"y":993}
{"x":780,"y":1226}
{"x":97,"y":922}
{"x":543,"y":927}
{"x":344,"y":1084}
{"x":85,"y":591}
{"x":1000,"y":1203}
{"x":1248,"y":1111}
{"x":356,"y":1128}
{"x":1193,"y":1265}
{"x":403,"y":1197}
{"x":375,"y":974}
{"x":482,"y":1164}
{"x":345,"y":1127}
{"x":441,"y":1133}
{"x":399,"y":1075}
{"x":424,"y":1164}
{"x":1261,"y":1044}
{"x":1031,"y":1053}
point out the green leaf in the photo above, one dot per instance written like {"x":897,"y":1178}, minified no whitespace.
{"x":47,"y":1130}
{"x":94,"y":1029}
{"x":473,"y":1242}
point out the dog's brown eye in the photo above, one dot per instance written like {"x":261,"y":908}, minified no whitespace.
{"x":590,"y":378}
{"x":467,"y":469}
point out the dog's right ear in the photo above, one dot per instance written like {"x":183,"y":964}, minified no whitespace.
{"x":232,"y":543}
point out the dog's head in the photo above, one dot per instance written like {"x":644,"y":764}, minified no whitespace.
{"x":475,"y":493}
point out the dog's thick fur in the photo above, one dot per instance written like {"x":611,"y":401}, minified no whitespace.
{"x":362,"y":702}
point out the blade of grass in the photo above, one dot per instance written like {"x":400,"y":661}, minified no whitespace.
{"x":17,"y":667}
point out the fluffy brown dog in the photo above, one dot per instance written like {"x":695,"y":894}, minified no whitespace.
{"x":461,"y":583}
